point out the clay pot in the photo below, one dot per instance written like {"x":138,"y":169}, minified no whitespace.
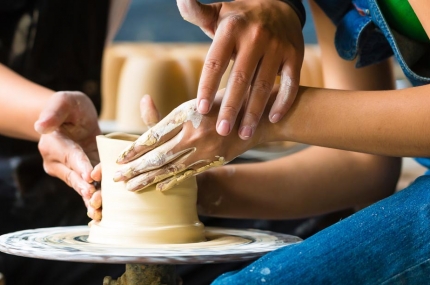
{"x":145,"y":217}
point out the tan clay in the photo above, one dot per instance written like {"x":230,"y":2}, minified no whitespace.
{"x":146,"y":217}
{"x":161,"y":78}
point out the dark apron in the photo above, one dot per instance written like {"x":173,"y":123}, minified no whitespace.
{"x":57,"y":44}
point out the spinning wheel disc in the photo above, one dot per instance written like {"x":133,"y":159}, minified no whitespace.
{"x":70,"y":244}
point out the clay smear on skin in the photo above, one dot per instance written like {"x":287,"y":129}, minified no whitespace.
{"x":183,"y":113}
{"x":154,"y":159}
{"x":170,"y":182}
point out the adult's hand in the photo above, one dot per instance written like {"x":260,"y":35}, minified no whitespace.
{"x":264,"y":38}
{"x":68,"y":126}
{"x":181,"y":145}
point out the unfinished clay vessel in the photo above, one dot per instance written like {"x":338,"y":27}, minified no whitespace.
{"x":145,"y":217}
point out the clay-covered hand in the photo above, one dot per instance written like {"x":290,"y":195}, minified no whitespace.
{"x":181,"y":145}
{"x":264,"y":38}
{"x":68,"y":126}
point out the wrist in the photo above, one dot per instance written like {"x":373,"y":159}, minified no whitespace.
{"x":298,"y":7}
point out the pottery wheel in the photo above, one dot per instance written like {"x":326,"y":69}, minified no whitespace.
{"x":70,"y":243}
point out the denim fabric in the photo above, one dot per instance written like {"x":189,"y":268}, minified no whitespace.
{"x":386,"y":243}
{"x":389,"y":241}
{"x":362,"y":32}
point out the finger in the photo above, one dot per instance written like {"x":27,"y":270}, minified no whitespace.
{"x":237,"y":89}
{"x":163,"y":131}
{"x":53,"y":115}
{"x":204,"y":16}
{"x":147,"y":179}
{"x":289,"y":86}
{"x":73,"y":179}
{"x":96,"y":200}
{"x":95,"y":214}
{"x":192,"y":170}
{"x":173,"y":173}
{"x":59,"y":148}
{"x":216,"y":63}
{"x":151,"y":160}
{"x":148,"y":111}
{"x":169,"y":183}
{"x":96,"y":174}
{"x":259,"y":94}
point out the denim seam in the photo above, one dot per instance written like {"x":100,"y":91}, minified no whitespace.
{"x":408,"y":269}
{"x":354,"y":54}
{"x":393,"y":41}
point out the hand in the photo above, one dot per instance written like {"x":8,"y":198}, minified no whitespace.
{"x":264,"y":38}
{"x":68,"y":126}
{"x":181,"y":145}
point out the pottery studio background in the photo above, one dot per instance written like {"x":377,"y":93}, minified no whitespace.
{"x":160,"y":21}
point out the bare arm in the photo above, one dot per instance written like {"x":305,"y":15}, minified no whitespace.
{"x":21,"y":101}
{"x":311,"y":182}
{"x":422,"y":10}
{"x":393,"y":123}
{"x":67,"y":122}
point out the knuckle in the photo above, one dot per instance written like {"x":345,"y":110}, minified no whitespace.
{"x":68,"y":178}
{"x":230,"y":111}
{"x":252,"y":116}
{"x":213,"y":64}
{"x":239,"y":77}
{"x":233,"y":21}
{"x":42,"y":146}
{"x":262,"y":86}
{"x":259,"y":34}
{"x":47,"y":169}
{"x":67,"y":159}
{"x":206,"y":90}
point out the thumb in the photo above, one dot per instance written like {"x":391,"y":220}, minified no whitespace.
{"x":149,"y":112}
{"x":204,"y":16}
{"x":53,"y":116}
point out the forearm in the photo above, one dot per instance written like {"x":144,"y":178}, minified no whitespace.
{"x":311,"y":182}
{"x":393,"y":123}
{"x":21,"y":101}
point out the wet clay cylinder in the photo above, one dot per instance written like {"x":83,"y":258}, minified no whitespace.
{"x":145,"y":217}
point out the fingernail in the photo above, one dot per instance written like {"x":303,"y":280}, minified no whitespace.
{"x":204,"y":106}
{"x":117,"y":176}
{"x":246,"y":132}
{"x":275,"y":118}
{"x":223,"y":128}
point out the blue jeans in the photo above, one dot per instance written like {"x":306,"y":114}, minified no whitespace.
{"x":385,"y":243}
